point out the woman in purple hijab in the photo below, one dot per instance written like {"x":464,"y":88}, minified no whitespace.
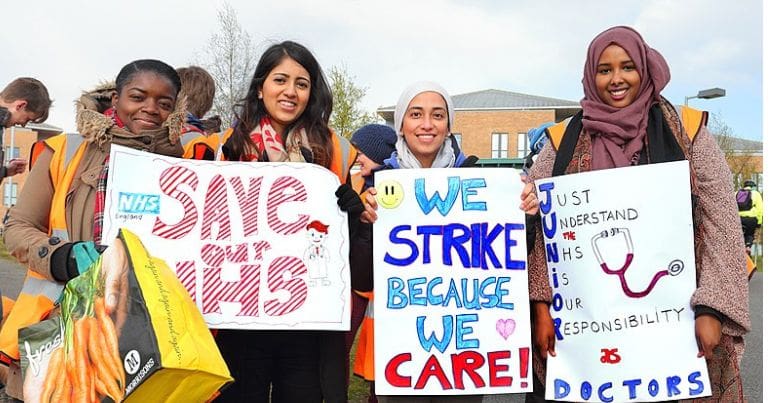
{"x":624,"y":122}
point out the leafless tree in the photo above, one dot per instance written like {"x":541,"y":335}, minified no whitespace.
{"x":743,"y":163}
{"x":230,"y":59}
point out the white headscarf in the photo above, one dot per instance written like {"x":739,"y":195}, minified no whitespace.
{"x":414,"y":90}
{"x":445,"y":157}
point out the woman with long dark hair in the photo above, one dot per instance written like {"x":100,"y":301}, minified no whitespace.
{"x":284,"y":117}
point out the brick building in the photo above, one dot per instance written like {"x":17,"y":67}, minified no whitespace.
{"x":492,"y":124}
{"x":17,"y":143}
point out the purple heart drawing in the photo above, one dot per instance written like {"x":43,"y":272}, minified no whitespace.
{"x":506,"y":327}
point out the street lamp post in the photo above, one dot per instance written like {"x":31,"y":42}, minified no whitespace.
{"x":707,"y":94}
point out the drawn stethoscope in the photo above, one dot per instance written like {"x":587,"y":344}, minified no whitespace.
{"x":674,"y":268}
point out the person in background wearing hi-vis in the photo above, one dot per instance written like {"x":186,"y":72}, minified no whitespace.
{"x":22,"y":101}
{"x":374,"y":143}
{"x":750,"y":209}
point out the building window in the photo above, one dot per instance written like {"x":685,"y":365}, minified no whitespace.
{"x":499,"y":145}
{"x":522,"y":143}
{"x":459,"y":138}
{"x":9,"y":194}
{"x":9,"y":156}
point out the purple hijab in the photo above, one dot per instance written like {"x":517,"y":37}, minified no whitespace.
{"x":617,"y":134}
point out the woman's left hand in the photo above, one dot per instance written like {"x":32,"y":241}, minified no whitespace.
{"x":369,"y":215}
{"x":708,"y":332}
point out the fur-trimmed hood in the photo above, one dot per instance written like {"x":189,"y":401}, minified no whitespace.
{"x":96,"y":127}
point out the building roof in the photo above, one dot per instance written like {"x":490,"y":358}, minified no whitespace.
{"x":499,"y":99}
{"x":737,"y":144}
{"x":44,"y":128}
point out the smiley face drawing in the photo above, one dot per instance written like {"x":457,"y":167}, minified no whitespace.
{"x":390,"y":194}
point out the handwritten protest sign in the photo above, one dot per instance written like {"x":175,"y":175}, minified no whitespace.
{"x":258,"y":246}
{"x":619,"y":246}
{"x":450,"y":283}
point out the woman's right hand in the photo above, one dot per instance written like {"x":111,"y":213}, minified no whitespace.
{"x":369,"y":215}
{"x":529,"y":202}
{"x":116,"y":287}
{"x":545,"y":335}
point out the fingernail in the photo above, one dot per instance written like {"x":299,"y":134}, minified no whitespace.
{"x":112,"y":300}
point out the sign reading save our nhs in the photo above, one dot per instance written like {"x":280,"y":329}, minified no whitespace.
{"x":257,"y":245}
{"x":450,"y":283}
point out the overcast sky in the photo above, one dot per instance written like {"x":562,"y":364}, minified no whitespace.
{"x":532,"y":47}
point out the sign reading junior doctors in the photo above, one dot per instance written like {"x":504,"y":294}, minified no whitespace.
{"x":451,"y":302}
{"x":619,"y":246}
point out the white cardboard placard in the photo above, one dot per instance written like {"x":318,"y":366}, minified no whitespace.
{"x":257,"y":245}
{"x":451,"y":303}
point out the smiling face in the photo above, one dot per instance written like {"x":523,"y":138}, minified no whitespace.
{"x":366,"y":164}
{"x":425,"y":126}
{"x":617,"y":79}
{"x":315,"y":236}
{"x":285,"y":93}
{"x":145,"y":101}
{"x":390,"y":194}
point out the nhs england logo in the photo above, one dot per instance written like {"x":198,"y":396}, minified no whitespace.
{"x":138,"y":203}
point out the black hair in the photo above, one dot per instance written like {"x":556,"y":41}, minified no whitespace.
{"x":314,"y":119}
{"x":128,"y":72}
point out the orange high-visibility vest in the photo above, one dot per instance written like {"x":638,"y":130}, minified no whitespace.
{"x":38,"y":294}
{"x":692,"y":121}
{"x":6,"y":304}
{"x":363,"y":363}
{"x":198,"y":145}
{"x":343,"y":155}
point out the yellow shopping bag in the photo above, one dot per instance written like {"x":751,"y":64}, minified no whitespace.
{"x":154,"y":346}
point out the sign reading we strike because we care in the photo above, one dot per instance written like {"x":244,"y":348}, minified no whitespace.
{"x":257,"y":245}
{"x":450,"y":283}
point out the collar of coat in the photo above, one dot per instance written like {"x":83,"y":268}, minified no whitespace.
{"x":97,"y":128}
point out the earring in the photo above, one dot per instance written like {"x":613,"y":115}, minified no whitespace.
{"x":259,"y":95}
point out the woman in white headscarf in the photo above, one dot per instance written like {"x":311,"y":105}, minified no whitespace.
{"x":423,"y":118}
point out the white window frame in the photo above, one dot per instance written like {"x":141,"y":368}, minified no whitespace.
{"x":10,"y":193}
{"x":499,"y":145}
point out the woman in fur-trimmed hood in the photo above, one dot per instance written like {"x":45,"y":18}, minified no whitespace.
{"x":141,"y":111}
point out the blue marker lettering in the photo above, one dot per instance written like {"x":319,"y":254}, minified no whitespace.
{"x":560,"y":388}
{"x":442,"y":205}
{"x":469,"y":189}
{"x":428,"y":343}
{"x":631,"y":384}
{"x":395,"y":290}
{"x":394,"y":239}
{"x":415,"y":294}
{"x":461,"y":343}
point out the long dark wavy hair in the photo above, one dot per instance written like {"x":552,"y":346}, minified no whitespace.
{"x":314,"y":119}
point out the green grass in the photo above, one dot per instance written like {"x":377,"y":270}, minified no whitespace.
{"x":4,"y":252}
{"x":358,"y":389}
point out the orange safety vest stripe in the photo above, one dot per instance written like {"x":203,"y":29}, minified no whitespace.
{"x":200,"y":146}
{"x":343,"y":154}
{"x":363,"y":363}
{"x":7,"y":304}
{"x":38,"y":294}
{"x":692,"y":121}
